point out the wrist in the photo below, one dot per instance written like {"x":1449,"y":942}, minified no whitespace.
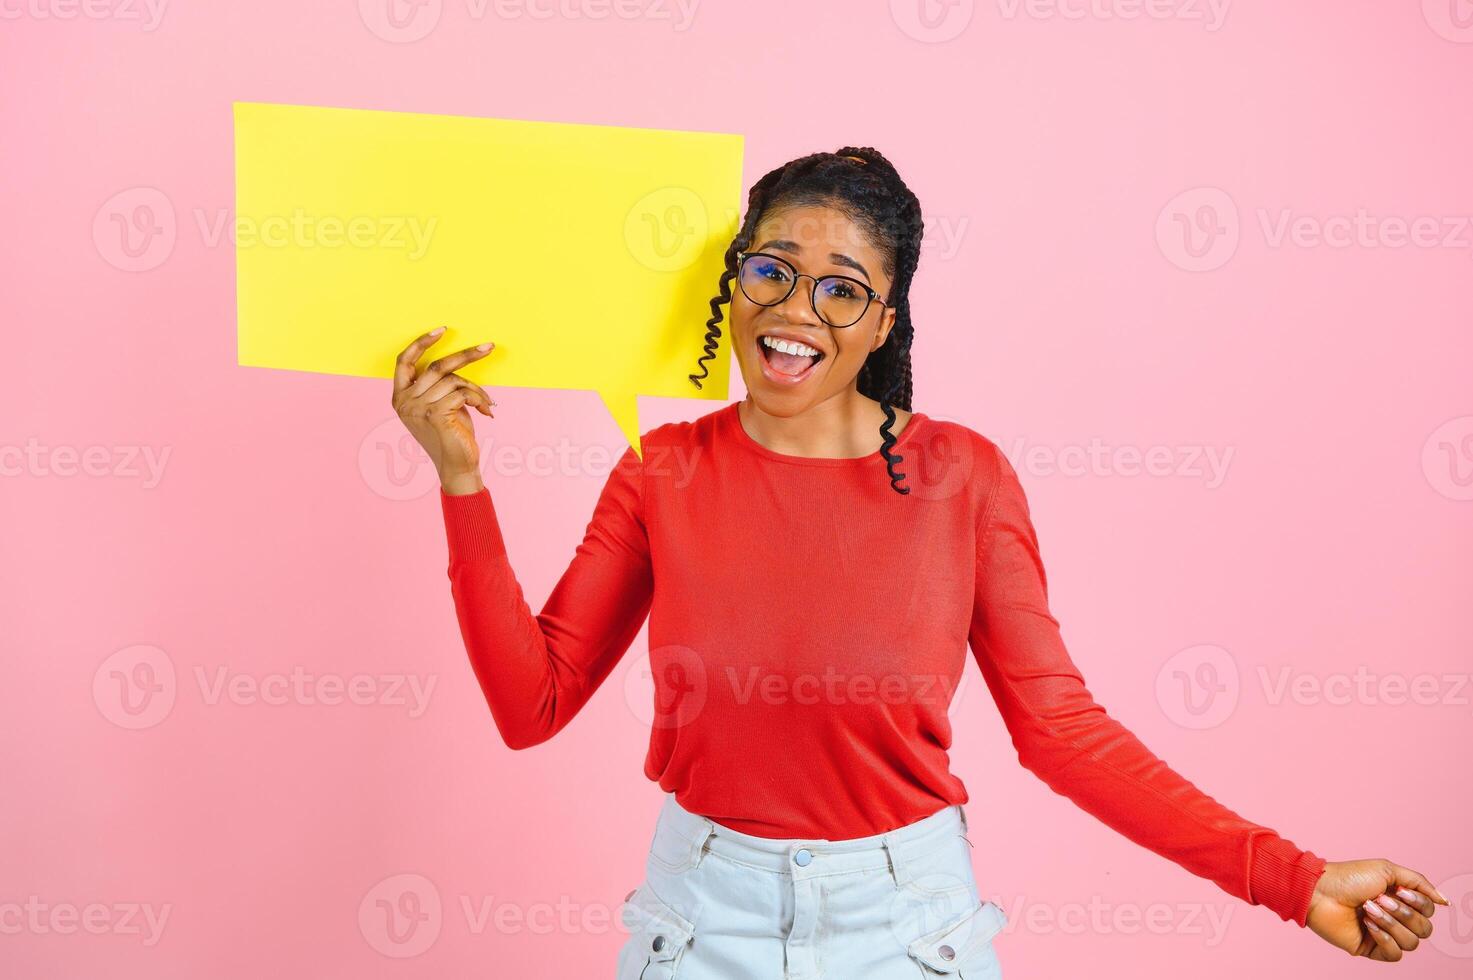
{"x":461,"y":484}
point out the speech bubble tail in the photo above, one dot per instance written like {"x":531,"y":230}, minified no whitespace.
{"x":624,"y":407}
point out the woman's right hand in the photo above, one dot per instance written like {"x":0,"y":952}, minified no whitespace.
{"x":432,"y":404}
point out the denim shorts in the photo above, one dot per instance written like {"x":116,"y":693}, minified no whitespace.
{"x":720,"y":905}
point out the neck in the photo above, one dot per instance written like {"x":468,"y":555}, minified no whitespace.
{"x":842,"y":426}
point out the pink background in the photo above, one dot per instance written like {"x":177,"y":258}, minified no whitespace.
{"x":1057,"y":153}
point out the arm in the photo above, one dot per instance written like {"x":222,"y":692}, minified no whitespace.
{"x":536,"y":672}
{"x":1069,"y":742}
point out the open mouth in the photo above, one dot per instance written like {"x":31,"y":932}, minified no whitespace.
{"x":787,"y":361}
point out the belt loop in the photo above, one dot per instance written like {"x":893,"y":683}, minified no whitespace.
{"x":703,"y":839}
{"x":899,"y":869}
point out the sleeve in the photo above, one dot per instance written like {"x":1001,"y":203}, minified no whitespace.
{"x":1067,"y":740}
{"x":536,"y":672}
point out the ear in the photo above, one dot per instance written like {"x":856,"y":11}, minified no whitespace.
{"x":887,"y":320}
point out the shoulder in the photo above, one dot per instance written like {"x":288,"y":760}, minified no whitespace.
{"x":954,"y":458}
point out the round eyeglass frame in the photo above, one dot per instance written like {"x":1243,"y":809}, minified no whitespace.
{"x":868,"y":290}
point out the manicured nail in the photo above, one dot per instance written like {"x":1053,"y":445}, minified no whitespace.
{"x":1440,"y":896}
{"x":438,"y":330}
{"x":1407,"y":895}
{"x":486,"y":346}
{"x":1387,"y":902}
{"x":1373,"y":908}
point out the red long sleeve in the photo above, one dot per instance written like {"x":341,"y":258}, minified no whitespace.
{"x":538,"y":671}
{"x":1069,"y":741}
{"x":806,"y":636}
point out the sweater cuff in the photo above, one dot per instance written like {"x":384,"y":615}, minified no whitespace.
{"x":471,"y":529}
{"x":1283,"y":878}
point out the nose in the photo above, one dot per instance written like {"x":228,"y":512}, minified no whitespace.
{"x":798,"y":307}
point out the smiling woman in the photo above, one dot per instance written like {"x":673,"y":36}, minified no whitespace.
{"x":812,"y":824}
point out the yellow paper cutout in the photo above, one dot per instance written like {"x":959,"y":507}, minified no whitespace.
{"x":589,"y":254}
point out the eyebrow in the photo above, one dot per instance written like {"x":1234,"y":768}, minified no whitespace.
{"x":838,"y":258}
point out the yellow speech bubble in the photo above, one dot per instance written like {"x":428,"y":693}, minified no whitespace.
{"x":589,"y":254}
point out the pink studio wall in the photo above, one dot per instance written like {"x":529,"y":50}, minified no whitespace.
{"x":1204,"y":270}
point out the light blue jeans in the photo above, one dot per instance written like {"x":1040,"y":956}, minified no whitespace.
{"x":719,"y":905}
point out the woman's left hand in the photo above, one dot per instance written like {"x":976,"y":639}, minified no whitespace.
{"x":1341,"y":910}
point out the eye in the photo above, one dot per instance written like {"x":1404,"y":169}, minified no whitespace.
{"x":768,"y":269}
{"x":841,"y":289}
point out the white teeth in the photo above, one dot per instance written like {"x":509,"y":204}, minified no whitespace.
{"x":790,"y":347}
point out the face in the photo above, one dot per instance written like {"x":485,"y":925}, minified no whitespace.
{"x":816,"y":241}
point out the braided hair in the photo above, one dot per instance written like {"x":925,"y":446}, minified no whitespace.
{"x":861,"y":183}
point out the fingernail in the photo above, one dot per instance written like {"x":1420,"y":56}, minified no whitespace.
{"x":1387,"y":902}
{"x":1373,"y":908}
{"x":438,"y":330}
{"x":1441,"y":897}
{"x":486,"y":346}
{"x":1406,"y":896}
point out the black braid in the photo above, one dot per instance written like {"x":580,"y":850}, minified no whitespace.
{"x":866,"y":186}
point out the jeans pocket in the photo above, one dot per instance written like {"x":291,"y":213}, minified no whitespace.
{"x":658,"y":937}
{"x":962,"y":947}
{"x":673,"y":852}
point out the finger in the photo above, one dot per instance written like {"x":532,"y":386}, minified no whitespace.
{"x":1417,"y":882}
{"x":448,"y":384}
{"x":456,"y":400}
{"x":1417,"y":901}
{"x":1384,"y":921}
{"x":1386,"y":948}
{"x":1415,"y":922}
{"x":436,"y":370}
{"x":405,"y":363}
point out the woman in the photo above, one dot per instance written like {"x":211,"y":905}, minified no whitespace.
{"x":814,"y":561}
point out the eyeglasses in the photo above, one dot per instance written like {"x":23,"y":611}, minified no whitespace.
{"x":839,"y":301}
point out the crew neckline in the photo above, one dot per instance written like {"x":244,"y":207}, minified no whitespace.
{"x":733,"y":421}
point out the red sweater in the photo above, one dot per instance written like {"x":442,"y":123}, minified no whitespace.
{"x":808,"y":626}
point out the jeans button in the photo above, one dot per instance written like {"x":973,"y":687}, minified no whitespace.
{"x":658,"y":944}
{"x":947,"y":953}
{"x":803,"y":858}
